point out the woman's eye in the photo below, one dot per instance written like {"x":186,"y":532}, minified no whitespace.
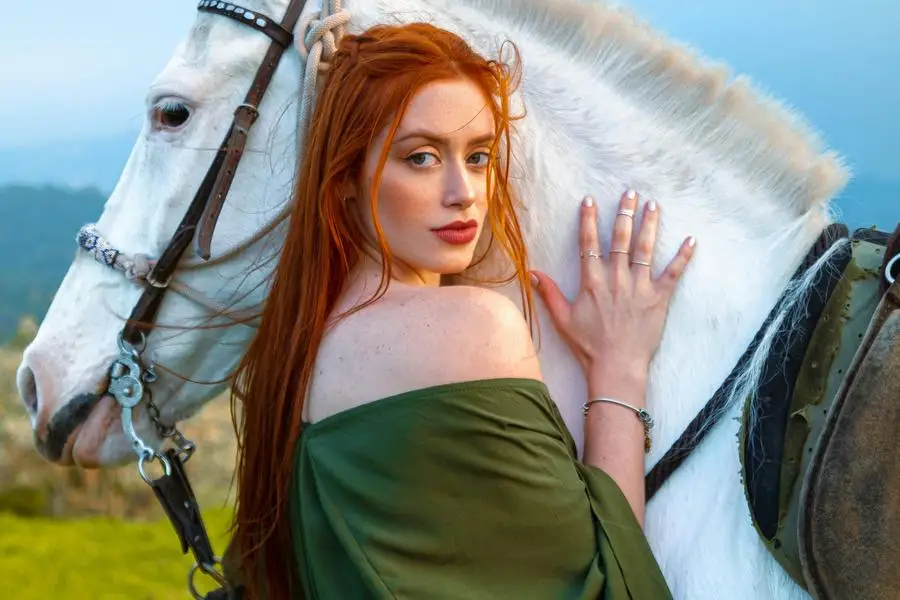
{"x":170,"y":115}
{"x":480,"y":159}
{"x":422,"y":159}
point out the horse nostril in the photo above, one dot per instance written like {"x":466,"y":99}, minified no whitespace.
{"x":28,"y":390}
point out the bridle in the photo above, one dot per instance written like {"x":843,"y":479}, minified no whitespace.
{"x":131,"y":372}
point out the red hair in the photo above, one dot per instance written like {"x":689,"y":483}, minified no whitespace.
{"x":370,"y":82}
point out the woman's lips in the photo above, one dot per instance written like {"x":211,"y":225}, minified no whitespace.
{"x":457,"y":236}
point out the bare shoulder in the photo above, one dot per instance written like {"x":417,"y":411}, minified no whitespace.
{"x":420,"y":339}
{"x":485,"y":329}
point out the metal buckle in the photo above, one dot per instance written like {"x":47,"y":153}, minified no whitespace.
{"x":152,"y":280}
{"x":209,"y":570}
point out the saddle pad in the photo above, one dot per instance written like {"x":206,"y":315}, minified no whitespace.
{"x":809,"y":357}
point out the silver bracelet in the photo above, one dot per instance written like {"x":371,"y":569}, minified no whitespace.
{"x":641,"y":413}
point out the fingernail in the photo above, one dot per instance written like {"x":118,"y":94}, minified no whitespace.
{"x":692,"y":241}
{"x":534,"y":279}
{"x":588,"y":201}
{"x":631,"y":194}
{"x":651,"y":206}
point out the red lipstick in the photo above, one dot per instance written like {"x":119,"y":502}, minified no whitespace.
{"x":458,"y":232}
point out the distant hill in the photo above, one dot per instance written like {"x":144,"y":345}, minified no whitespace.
{"x":37,"y":241}
{"x":38,"y":227}
{"x":70,"y":164}
{"x":98,"y":162}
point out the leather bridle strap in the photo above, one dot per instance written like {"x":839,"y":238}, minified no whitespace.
{"x":245,"y":114}
{"x":280,"y":34}
{"x":200,"y":219}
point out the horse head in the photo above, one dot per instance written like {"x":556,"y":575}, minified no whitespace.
{"x":189,"y":109}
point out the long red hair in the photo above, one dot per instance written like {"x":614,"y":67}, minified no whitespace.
{"x":371,"y":79}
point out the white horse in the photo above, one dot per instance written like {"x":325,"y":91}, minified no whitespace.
{"x":610,"y":105}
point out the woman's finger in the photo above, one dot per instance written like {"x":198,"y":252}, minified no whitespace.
{"x":557,"y":305}
{"x":620,"y":246}
{"x":668,"y":279}
{"x":646,"y":242}
{"x":589,"y":241}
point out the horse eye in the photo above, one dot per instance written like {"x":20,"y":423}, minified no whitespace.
{"x":170,"y":115}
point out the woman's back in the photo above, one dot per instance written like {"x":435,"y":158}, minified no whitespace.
{"x":466,"y":490}
{"x":414,"y":338}
{"x":435,"y":465}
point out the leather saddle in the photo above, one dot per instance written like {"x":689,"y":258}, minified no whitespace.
{"x":820,"y":466}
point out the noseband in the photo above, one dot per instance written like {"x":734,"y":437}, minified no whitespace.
{"x":131,"y":372}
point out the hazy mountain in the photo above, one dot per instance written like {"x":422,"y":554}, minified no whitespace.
{"x":38,"y":224}
{"x":37,"y":240}
{"x":98,"y":162}
{"x":75,"y":163}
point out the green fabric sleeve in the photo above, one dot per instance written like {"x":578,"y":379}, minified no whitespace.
{"x":466,"y":491}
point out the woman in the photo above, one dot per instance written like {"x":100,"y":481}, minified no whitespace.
{"x":396,"y":438}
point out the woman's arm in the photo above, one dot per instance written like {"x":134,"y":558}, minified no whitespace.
{"x":614,"y":436}
{"x":614,"y":327}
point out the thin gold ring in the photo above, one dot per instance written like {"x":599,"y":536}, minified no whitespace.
{"x":620,"y":252}
{"x":640,"y":262}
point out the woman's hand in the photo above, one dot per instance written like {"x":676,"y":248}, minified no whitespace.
{"x":616,"y":321}
{"x":614,"y":327}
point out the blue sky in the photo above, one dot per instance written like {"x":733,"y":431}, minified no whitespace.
{"x":88,"y":64}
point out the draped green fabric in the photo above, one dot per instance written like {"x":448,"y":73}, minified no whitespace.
{"x":465,"y":491}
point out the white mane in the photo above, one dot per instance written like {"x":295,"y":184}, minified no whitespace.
{"x":755,"y":137}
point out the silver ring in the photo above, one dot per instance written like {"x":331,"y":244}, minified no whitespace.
{"x":590,"y":254}
{"x":888,"y":275}
{"x":620,"y":252}
{"x":209,"y":570}
{"x":626,"y":212}
{"x":143,"y":458}
{"x":640,"y":262}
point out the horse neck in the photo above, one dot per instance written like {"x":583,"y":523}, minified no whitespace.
{"x":753,"y":229}
{"x":737,"y":276}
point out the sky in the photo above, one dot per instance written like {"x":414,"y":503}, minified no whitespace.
{"x":81,"y":69}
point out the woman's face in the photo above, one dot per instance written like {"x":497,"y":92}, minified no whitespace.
{"x":432,"y":197}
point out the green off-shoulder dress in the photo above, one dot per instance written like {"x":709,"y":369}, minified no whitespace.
{"x":464,"y":491}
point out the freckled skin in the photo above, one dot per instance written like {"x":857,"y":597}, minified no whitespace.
{"x":426,"y":184}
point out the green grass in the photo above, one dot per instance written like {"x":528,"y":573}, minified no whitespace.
{"x":99,"y":558}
